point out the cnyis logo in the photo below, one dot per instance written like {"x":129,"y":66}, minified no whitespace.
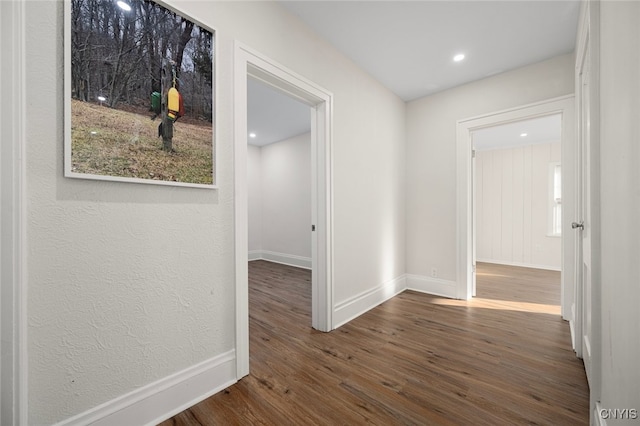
{"x":619,"y":413}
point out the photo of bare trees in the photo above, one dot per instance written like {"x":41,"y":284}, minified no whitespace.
{"x":140,"y":92}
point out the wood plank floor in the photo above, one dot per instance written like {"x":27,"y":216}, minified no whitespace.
{"x":503,"y":358}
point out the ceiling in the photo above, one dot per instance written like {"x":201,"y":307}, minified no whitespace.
{"x":409,"y":45}
{"x":273,"y":116}
{"x":536,"y":130}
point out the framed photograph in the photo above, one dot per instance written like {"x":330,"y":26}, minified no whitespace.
{"x":139,"y":94}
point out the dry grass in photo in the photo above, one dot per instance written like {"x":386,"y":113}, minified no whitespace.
{"x":111,"y":142}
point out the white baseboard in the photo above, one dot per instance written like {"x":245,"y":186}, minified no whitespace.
{"x":255,"y":255}
{"x":597,"y":417}
{"x":164,"y":398}
{"x":357,"y":305}
{"x":435,"y":286}
{"x":283,"y":258}
{"x":520,"y":264}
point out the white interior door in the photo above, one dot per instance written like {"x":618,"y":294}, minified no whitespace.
{"x":582,"y":227}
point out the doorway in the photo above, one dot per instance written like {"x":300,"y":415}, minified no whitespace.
{"x":465,"y":129}
{"x":517,"y":200}
{"x":518,"y":194}
{"x":278,"y":177}
{"x":249,"y":63}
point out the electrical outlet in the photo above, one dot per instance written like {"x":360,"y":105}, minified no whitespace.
{"x":434,"y":272}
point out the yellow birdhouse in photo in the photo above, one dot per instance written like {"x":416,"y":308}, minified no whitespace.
{"x":173,"y":103}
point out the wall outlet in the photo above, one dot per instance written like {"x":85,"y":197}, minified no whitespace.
{"x":434,"y":272}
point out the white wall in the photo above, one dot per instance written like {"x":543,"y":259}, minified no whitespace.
{"x":286,"y":197}
{"x":254,"y":198}
{"x":130,"y":283}
{"x":431,"y":153}
{"x":620,"y":205}
{"x":512,"y":202}
{"x":282,"y":203}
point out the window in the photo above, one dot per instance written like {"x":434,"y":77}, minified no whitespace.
{"x":555,"y":199}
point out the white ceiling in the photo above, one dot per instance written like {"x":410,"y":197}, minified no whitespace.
{"x":538,"y":130}
{"x":408,"y":46}
{"x":274,"y":116}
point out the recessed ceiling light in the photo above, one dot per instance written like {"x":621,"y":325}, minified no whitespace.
{"x":123,"y":5}
{"x":252,"y":135}
{"x":458,"y":57}
{"x":523,"y":135}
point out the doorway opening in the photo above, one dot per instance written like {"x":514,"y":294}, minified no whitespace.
{"x":279,"y":210}
{"x":278,"y":177}
{"x":563,"y":106}
{"x":517,"y":210}
{"x":249,"y":63}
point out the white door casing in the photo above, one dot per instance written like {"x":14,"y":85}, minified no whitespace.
{"x":13,"y":253}
{"x":474,"y":223}
{"x":251,"y":63}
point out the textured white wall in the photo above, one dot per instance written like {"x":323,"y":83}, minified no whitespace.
{"x":368,"y":138}
{"x":127,"y":283}
{"x":130,"y":283}
{"x":254,"y":195}
{"x":431,"y":153}
{"x":620,"y":205}
{"x":512,"y":201}
{"x":286,"y":196}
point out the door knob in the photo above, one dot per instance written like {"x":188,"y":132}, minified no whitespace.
{"x":576,"y":225}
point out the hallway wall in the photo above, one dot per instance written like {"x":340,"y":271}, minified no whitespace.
{"x":132,"y":287}
{"x":619,"y":319}
{"x":431,"y":153}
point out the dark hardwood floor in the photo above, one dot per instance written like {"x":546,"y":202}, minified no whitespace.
{"x":503,"y":358}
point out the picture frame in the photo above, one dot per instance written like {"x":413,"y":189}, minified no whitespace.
{"x":139,"y":94}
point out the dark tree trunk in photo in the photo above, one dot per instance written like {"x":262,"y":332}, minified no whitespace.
{"x":167,"y":124}
{"x":185,"y":37}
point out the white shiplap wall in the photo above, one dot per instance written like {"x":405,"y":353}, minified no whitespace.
{"x":512,"y":202}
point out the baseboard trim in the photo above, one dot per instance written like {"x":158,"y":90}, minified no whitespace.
{"x":164,"y":398}
{"x":520,"y":264}
{"x":255,"y":255}
{"x":363,"y":302}
{"x":282,"y":258}
{"x":430,"y":285}
{"x":598,"y":420}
